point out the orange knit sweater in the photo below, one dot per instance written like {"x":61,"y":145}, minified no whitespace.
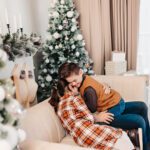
{"x":105,"y":101}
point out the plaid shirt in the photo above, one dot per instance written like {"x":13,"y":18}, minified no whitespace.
{"x":79,"y":123}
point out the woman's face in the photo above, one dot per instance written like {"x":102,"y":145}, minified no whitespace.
{"x":72,"y":89}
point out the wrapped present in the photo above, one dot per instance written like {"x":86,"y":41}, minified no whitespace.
{"x":118,"y":56}
{"x":115,"y":68}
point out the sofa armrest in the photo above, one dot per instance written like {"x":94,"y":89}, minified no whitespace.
{"x":43,"y":145}
{"x":130,"y":87}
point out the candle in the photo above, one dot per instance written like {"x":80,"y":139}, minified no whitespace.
{"x":6,"y":16}
{"x":15,"y":24}
{"x":20,"y":21}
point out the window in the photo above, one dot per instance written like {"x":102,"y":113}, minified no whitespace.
{"x":143,"y":54}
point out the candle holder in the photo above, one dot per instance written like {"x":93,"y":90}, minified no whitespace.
{"x":21,"y":29}
{"x":8,"y":28}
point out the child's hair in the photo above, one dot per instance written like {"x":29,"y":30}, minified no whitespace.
{"x":67,"y":69}
{"x":57,"y":92}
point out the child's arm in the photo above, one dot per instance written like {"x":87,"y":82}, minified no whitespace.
{"x":90,"y":98}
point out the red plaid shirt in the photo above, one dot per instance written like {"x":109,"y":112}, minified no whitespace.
{"x":79,"y":123}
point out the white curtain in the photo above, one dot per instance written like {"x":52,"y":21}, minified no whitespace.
{"x":143,"y":55}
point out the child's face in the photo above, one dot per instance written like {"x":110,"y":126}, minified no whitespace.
{"x":75,"y":79}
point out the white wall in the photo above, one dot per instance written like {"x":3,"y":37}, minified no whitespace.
{"x":34,"y":14}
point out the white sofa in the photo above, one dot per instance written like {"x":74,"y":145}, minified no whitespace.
{"x":44,"y":130}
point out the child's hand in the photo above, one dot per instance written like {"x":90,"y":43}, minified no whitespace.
{"x":106,"y":88}
{"x":73,"y":89}
{"x":104,"y":117}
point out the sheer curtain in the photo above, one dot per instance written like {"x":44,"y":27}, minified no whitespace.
{"x":143,"y":55}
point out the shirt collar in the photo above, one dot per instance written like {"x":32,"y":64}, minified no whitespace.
{"x":83,"y":78}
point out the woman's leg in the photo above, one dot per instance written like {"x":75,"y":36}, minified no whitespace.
{"x":131,"y":121}
{"x":139,"y":108}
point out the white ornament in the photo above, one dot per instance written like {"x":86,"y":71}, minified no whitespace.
{"x":55,"y":14}
{"x":62,"y":58}
{"x":48,"y":78}
{"x":70,"y":14}
{"x":65,"y":21}
{"x":12,"y":135}
{"x":14,"y":107}
{"x":45,"y":70}
{"x":2,"y":93}
{"x":73,"y":28}
{"x":77,"y":54}
{"x":79,"y":37}
{"x":42,"y":85}
{"x":60,"y":45}
{"x":47,"y":60}
{"x":73,"y":20}
{"x":4,"y":145}
{"x":60,"y":27}
{"x":66,"y":38}
{"x":22,"y":135}
{"x":83,"y":43}
{"x":56,"y":47}
{"x":73,"y":47}
{"x":85,"y":70}
{"x":56,"y":35}
{"x":62,"y":2}
{"x":39,"y":77}
{"x":51,"y":47}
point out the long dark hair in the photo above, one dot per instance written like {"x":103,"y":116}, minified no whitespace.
{"x":57,"y":92}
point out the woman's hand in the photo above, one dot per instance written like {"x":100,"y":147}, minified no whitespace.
{"x":73,"y":89}
{"x":104,"y":117}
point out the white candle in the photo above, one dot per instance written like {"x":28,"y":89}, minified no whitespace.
{"x":20,"y":21}
{"x":6,"y":16}
{"x":15,"y":24}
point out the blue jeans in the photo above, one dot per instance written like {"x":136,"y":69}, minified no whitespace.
{"x":135,"y":115}
{"x":118,"y":109}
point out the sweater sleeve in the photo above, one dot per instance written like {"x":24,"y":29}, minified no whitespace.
{"x":90,"y":98}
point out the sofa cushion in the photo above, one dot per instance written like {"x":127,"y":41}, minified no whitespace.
{"x":43,"y":145}
{"x":68,"y":140}
{"x":41,"y":122}
{"x":131,"y":88}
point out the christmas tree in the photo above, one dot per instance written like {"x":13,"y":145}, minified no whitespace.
{"x":64,"y":43}
{"x":10,"y":112}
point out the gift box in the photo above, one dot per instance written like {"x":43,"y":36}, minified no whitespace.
{"x":115,"y":68}
{"x":118,"y":56}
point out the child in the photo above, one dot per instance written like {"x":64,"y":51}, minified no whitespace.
{"x":79,"y":122}
{"x":108,"y":105}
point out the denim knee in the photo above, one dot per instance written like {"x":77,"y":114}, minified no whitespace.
{"x":144,"y":108}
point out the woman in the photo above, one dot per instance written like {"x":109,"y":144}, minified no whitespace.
{"x":79,"y":122}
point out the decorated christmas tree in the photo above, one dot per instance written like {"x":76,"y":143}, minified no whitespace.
{"x":10,"y":112}
{"x":64,"y":43}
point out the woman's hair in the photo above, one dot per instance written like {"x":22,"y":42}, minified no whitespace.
{"x":57,"y":92}
{"x":67,"y":69}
